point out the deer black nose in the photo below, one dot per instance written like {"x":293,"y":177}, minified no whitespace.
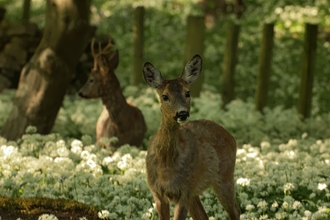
{"x":182,"y":115}
{"x":82,"y":95}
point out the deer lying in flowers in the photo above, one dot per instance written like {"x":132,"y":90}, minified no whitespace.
{"x":185,"y":158}
{"x":118,"y":118}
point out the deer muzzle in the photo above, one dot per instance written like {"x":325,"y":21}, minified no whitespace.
{"x":181,"y":116}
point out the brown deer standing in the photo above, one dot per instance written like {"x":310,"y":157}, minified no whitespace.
{"x":184,"y":159}
{"x":118,"y":118}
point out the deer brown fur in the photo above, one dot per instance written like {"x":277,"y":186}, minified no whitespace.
{"x":118,"y":118}
{"x":185,"y":158}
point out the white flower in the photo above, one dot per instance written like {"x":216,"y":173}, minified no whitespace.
{"x":103,"y":214}
{"x":304,"y":135}
{"x":307,"y":213}
{"x":288,"y":187}
{"x":262,"y":204}
{"x":106,"y":161}
{"x":243,"y":181}
{"x":63,"y":151}
{"x":249,"y":207}
{"x":278,"y":215}
{"x":60,"y":143}
{"x":322,"y":186}
{"x":296,"y":205}
{"x":122,"y":165}
{"x":278,"y":10}
{"x":263,"y":217}
{"x":275,"y":205}
{"x":285,"y":205}
{"x":76,"y":143}
{"x":292,"y":142}
{"x":8,"y":150}
{"x":85,"y":154}
{"x":265,"y":145}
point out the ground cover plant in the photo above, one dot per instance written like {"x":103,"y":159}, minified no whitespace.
{"x":282,"y":171}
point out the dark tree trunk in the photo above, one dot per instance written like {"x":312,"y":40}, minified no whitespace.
{"x":307,"y":73}
{"x":195,"y":45}
{"x":138,"y":45}
{"x":46,"y":76}
{"x":265,"y":59}
{"x":26,"y":10}
{"x":229,"y":64}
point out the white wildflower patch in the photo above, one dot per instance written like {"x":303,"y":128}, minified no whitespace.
{"x":281,"y":169}
{"x":47,"y":217}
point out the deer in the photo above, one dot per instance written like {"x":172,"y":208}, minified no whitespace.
{"x":118,"y":118}
{"x":184,"y":158}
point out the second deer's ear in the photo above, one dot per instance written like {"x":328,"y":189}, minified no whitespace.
{"x":152,"y":75}
{"x":192,"y":69}
{"x":114,"y":59}
{"x":103,"y":63}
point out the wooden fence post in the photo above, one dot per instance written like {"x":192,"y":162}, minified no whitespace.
{"x":195,"y":45}
{"x":26,"y":10}
{"x":308,"y":64}
{"x":229,"y":63}
{"x":138,"y":45}
{"x":265,"y":58}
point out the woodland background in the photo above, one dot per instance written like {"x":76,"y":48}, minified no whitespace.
{"x":283,"y":159}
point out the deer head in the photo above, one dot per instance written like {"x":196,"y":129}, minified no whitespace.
{"x":105,"y":62}
{"x":174,"y":94}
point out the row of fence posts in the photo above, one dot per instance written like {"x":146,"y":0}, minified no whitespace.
{"x":193,"y":45}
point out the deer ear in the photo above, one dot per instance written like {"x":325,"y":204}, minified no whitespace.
{"x":114,"y":59}
{"x":152,"y":76}
{"x":103,"y":63}
{"x":192,"y":69}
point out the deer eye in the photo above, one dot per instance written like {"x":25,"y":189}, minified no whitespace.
{"x":165,"y":97}
{"x":187,"y":94}
{"x":91,"y":80}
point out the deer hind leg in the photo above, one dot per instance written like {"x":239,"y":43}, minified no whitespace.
{"x":162,"y":207}
{"x":180,"y":211}
{"x":196,"y":209}
{"x":225,"y":191}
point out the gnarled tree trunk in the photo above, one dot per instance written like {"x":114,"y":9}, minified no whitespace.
{"x":46,"y":76}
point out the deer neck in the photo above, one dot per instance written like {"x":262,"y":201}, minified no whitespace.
{"x":168,"y":141}
{"x":114,"y":100}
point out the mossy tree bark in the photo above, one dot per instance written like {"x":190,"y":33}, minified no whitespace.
{"x":308,"y":62}
{"x":265,"y":59}
{"x":46,"y":76}
{"x":195,"y":45}
{"x":138,"y":45}
{"x":229,"y":63}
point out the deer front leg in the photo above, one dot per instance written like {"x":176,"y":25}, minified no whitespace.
{"x":180,"y":212}
{"x":162,"y":207}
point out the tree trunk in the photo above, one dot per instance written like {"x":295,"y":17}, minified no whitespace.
{"x":138,"y":45}
{"x":308,"y":61}
{"x":265,"y":59}
{"x":195,"y":45}
{"x":26,"y":10}
{"x":46,"y":76}
{"x":229,"y":63}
